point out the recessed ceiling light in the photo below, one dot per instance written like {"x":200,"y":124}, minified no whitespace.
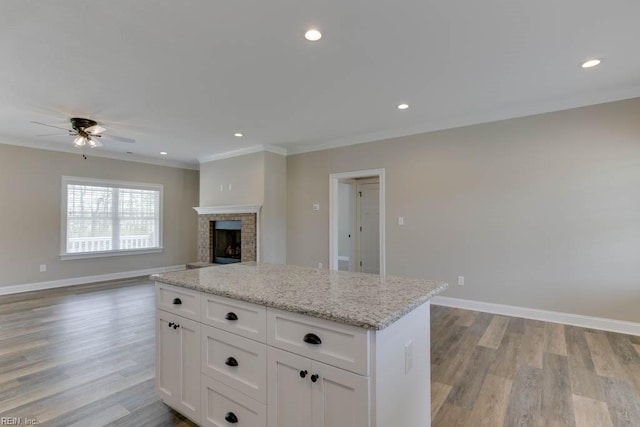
{"x":403,"y":106}
{"x":164,"y":153}
{"x":238,"y":135}
{"x":313,"y":35}
{"x":591,"y":63}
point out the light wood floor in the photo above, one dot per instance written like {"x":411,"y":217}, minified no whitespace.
{"x":84,"y":356}
{"x":490,"y":370}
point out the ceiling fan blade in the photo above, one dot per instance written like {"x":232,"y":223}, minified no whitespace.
{"x":95,"y":129}
{"x":96,"y":143}
{"x":56,"y":134}
{"x":117,"y":138}
{"x":52,"y":126}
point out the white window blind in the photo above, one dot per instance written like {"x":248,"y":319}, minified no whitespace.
{"x":110,"y":217}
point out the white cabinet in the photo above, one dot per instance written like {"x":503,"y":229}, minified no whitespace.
{"x":178,"y":363}
{"x":308,"y":393}
{"x":288,"y":369}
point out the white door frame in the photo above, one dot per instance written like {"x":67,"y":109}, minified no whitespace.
{"x":334,"y":178}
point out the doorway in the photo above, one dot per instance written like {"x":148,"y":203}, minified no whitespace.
{"x":356,"y":221}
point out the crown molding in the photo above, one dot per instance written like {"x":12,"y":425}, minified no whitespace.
{"x":107,"y":155}
{"x":243,"y":151}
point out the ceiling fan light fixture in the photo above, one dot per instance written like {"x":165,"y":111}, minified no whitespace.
{"x":80,"y":141}
{"x":92,"y":143}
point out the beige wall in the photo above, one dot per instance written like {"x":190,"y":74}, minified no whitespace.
{"x":30,"y":211}
{"x":256,"y":179}
{"x":540,"y":212}
{"x":274,"y":218}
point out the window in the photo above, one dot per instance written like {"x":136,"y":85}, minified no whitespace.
{"x":106,"y":218}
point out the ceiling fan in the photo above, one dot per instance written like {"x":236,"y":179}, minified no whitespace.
{"x":87,"y":133}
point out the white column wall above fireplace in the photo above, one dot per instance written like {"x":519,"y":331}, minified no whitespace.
{"x":253,"y":183}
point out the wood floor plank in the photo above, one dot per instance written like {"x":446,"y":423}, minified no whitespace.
{"x":556,"y":402}
{"x":603,"y":356}
{"x":622,"y":347}
{"x":451,"y":416}
{"x":585,"y":382}
{"x":624,"y":407}
{"x":532,"y":348}
{"x":554,"y":339}
{"x":637,"y":347}
{"x":439,"y":393}
{"x":525,"y":399}
{"x":506,"y":362}
{"x":465,"y":393}
{"x":467,"y":318}
{"x":492,"y":337}
{"x":590,"y":413}
{"x":577,"y":348}
{"x":103,"y":417}
{"x":491,"y":405}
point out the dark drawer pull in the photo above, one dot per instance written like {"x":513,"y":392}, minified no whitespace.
{"x":177,"y":301}
{"x":314,"y":378}
{"x":312,"y":339}
{"x":303,"y":374}
{"x":231,"y":316}
{"x":231,"y":418}
{"x":231,"y":362}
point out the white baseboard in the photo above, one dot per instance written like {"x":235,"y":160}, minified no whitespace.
{"x":600,"y":323}
{"x":28,"y":287}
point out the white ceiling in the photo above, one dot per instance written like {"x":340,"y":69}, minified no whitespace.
{"x":183,"y":76}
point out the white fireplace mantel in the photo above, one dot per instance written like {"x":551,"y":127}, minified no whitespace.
{"x":226,"y":209}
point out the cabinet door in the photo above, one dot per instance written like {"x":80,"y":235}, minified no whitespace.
{"x":339,"y":398}
{"x":289,"y":391}
{"x":167,"y":358}
{"x":189,"y":396}
{"x":178,"y":363}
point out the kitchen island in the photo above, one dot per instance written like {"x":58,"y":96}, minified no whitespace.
{"x":260,"y":344}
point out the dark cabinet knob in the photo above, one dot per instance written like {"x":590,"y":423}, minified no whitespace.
{"x":303,"y":374}
{"x":176,"y":326}
{"x":231,"y":316}
{"x":171,"y":324}
{"x":314,"y":378}
{"x":231,"y":418}
{"x":177,"y":301}
{"x":312,"y":339}
{"x":231,"y":362}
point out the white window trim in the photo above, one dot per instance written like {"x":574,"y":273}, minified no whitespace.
{"x":66,"y":180}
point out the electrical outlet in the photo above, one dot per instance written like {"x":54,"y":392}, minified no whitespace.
{"x":400,"y":220}
{"x":221,"y":187}
{"x":460,"y":280}
{"x":319,"y":265}
{"x":229,"y":187}
{"x":316,"y":206}
{"x":408,"y":357}
{"x":43,"y":268}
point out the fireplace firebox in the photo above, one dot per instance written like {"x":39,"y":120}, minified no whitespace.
{"x":227,"y":246}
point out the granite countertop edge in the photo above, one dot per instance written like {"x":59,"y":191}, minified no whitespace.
{"x":359,"y":321}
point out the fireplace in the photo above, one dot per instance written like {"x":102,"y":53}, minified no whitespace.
{"x":226,"y":242}
{"x":222,"y":226}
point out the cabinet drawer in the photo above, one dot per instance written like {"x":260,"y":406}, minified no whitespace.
{"x":235,"y":361}
{"x":177,"y":300}
{"x":221,"y":406}
{"x":344,"y":346}
{"x":239,"y":317}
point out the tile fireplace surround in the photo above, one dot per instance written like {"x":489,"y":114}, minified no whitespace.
{"x":249,"y":215}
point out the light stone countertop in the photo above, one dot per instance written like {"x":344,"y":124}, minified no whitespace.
{"x":365,"y":300}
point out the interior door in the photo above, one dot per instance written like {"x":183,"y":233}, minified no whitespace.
{"x":369,"y":225}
